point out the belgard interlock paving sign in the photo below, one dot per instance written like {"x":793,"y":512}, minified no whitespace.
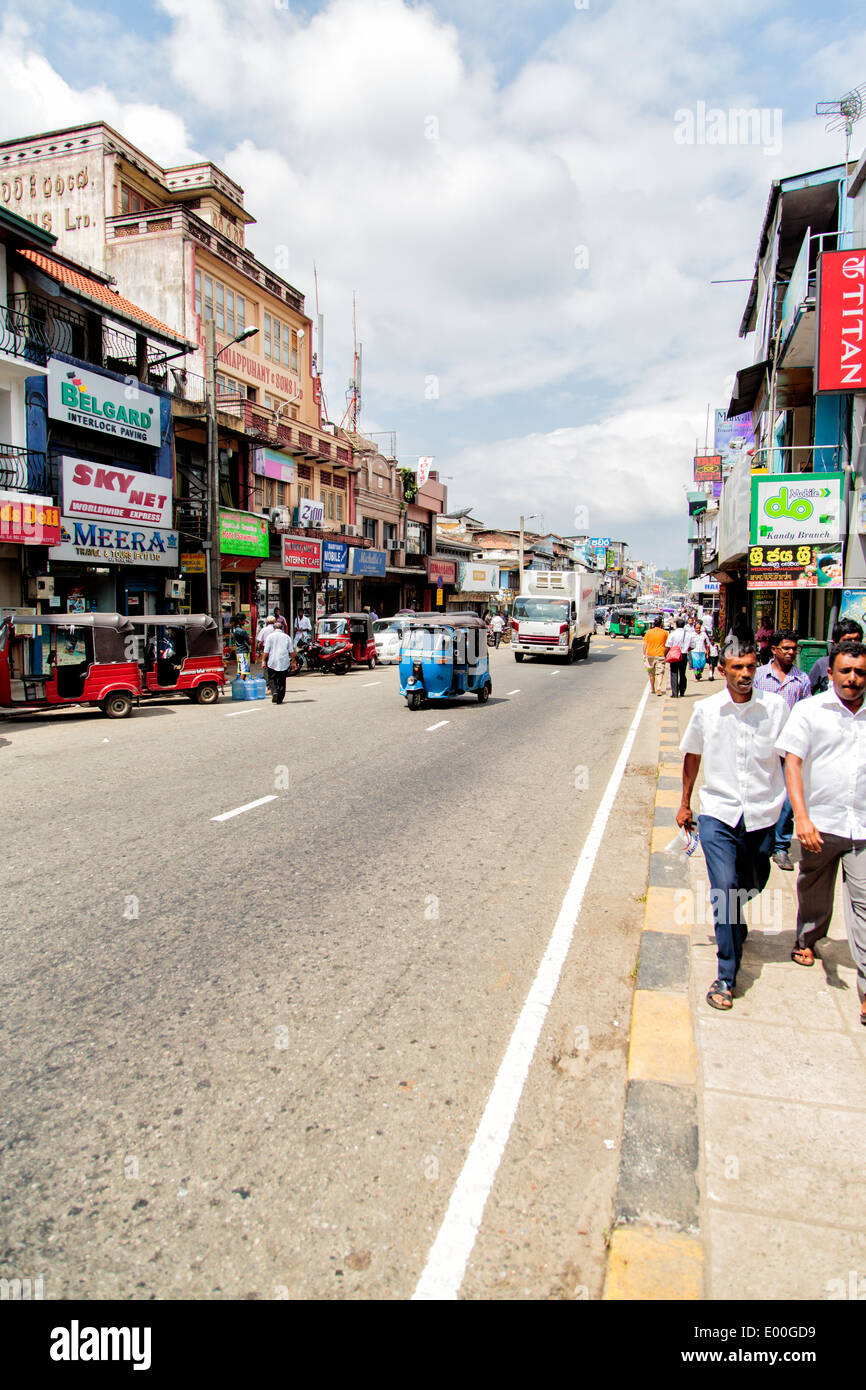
{"x":126,"y":410}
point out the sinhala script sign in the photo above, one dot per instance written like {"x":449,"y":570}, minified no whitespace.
{"x":94,"y":402}
{"x":797,"y":508}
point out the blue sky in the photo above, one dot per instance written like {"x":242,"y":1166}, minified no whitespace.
{"x":500,"y":185}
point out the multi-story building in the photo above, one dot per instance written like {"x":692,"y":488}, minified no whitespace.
{"x":174,"y":241}
{"x":86,"y":440}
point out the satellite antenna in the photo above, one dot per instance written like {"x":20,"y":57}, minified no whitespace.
{"x":843,"y":115}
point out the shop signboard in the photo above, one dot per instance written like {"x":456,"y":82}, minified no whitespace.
{"x":115,"y":493}
{"x":853,"y":606}
{"x":125,"y":410}
{"x":243,"y":533}
{"x":841,"y":321}
{"x":192,"y":562}
{"x":267,"y":463}
{"x":599,"y":542}
{"x":610,"y":559}
{"x":861,"y":511}
{"x":104,"y":543}
{"x":708,"y":468}
{"x":796,"y":508}
{"x":795,"y":567}
{"x":301,"y":554}
{"x":733,"y":438}
{"x":310,"y":513}
{"x":28,"y":520}
{"x":335,"y":557}
{"x":444,"y":569}
{"x":367,"y":563}
{"x":476,"y":578}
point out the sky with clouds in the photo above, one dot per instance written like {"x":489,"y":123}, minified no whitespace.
{"x":503,"y":187}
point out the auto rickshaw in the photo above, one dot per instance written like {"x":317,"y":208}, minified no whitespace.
{"x":357,"y":627}
{"x":53,"y":659}
{"x":622,"y":622}
{"x":181,"y":652}
{"x":444,"y":655}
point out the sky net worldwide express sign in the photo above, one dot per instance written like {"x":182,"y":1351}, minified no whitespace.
{"x":104,"y":492}
{"x":95,"y":402}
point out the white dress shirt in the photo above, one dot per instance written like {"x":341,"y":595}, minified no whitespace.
{"x":831,"y":740}
{"x":742,"y":768}
{"x":277,"y":648}
{"x":677,"y":638}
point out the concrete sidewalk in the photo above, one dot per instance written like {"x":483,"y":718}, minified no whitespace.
{"x":742,"y":1170}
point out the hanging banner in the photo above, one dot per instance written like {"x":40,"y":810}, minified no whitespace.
{"x":795,"y":567}
{"x":841,"y":321}
{"x":424,"y":466}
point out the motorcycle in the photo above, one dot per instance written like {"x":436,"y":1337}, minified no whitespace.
{"x":336,"y":658}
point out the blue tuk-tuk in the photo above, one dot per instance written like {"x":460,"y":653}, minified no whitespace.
{"x":444,"y":655}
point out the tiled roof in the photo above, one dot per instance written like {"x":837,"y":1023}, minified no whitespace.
{"x":96,"y":289}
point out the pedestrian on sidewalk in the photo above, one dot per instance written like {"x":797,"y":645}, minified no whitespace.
{"x":497,"y":627}
{"x":676,"y":655}
{"x":825,"y":768}
{"x":654,"y":643}
{"x":278,"y":655}
{"x":241,"y":639}
{"x":279,"y":621}
{"x":261,"y":634}
{"x":736,"y":734}
{"x":819,"y":676}
{"x":713,"y":658}
{"x":781,"y":677}
{"x":699,"y":648}
{"x":764,"y":639}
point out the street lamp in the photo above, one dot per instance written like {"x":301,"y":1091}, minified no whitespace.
{"x":532,"y":517}
{"x":214,"y":564}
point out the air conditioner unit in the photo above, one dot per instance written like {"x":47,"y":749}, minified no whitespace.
{"x":395,"y":545}
{"x":175,"y":588}
{"x":281,"y":518}
{"x":45,"y":586}
{"x":351,"y":530}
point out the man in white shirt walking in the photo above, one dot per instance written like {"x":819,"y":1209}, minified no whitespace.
{"x":736,"y":733}
{"x":681,"y":638}
{"x":825,"y":768}
{"x":277,"y":648}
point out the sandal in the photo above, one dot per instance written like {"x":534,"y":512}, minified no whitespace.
{"x":719,"y":995}
{"x":801,"y":951}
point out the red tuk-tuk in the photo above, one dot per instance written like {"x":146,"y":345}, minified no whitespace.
{"x":52,"y":659}
{"x":182,"y":652}
{"x":357,"y":628}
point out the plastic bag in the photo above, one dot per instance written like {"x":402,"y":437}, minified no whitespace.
{"x":685,"y":842}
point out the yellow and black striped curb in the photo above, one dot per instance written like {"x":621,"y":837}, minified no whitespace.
{"x":655,"y":1249}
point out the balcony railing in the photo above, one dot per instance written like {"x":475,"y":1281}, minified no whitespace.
{"x":257,"y":420}
{"x":21,"y":337}
{"x":27,"y":470}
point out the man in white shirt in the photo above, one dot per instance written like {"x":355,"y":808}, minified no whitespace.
{"x":497,"y":627}
{"x":736,"y":733}
{"x":680,"y":636}
{"x":277,"y":649}
{"x":825,"y":768}
{"x":302,"y":624}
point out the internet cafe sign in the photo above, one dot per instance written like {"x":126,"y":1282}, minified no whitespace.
{"x":96,"y":402}
{"x":796,"y":508}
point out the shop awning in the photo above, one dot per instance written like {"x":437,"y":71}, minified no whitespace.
{"x":239,"y":564}
{"x":746,"y":388}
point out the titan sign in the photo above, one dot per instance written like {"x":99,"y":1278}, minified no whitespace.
{"x":841,"y":321}
{"x":94,"y":402}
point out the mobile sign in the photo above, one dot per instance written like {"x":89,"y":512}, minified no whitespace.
{"x":335,"y":557}
{"x":115,"y":493}
{"x":841,"y":321}
{"x":96,"y":402}
{"x":796,"y":508}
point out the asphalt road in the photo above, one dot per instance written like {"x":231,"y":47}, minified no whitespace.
{"x":247,"y":1058}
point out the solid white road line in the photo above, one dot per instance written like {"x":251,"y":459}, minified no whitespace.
{"x":554,"y":673}
{"x":367,"y":684}
{"x":514,"y":692}
{"x":250,"y":806}
{"x":446,"y":1264}
{"x":440,"y":725}
{"x":236,"y":712}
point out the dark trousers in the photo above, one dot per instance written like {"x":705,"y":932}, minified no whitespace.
{"x":678,"y":676}
{"x":497,"y":638}
{"x":738,"y":866}
{"x":784,"y":828}
{"x":278,"y":685}
{"x":816,"y":883}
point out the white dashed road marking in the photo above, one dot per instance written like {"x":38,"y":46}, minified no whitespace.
{"x":440,"y":725}
{"x":514,"y":692}
{"x":236,"y":712}
{"x":250,"y":806}
{"x":367,"y":684}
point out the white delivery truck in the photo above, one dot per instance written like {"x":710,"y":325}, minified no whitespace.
{"x":555,"y":614}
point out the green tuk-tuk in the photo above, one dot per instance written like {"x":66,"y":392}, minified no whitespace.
{"x":622,"y":622}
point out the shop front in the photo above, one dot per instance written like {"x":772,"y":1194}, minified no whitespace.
{"x":28,"y":525}
{"x":335,"y":565}
{"x":369,"y":569}
{"x":243,"y":547}
{"x":441,"y":579}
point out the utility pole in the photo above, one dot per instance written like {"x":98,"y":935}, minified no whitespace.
{"x":214,"y":562}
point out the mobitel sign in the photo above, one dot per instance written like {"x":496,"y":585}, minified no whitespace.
{"x":796,"y":508}
{"x":96,"y":402}
{"x":841,"y":321}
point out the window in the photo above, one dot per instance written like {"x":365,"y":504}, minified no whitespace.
{"x":390,"y":533}
{"x":327,"y":498}
{"x":339,"y":498}
{"x":268,"y":336}
{"x":294,"y":351}
{"x":130,"y":201}
{"x":198,"y":292}
{"x":220,"y":316}
{"x":216,"y":301}
{"x":286,"y":358}
{"x":371,"y":529}
{"x":240,"y":313}
{"x":305,"y":492}
{"x":208,"y":297}
{"x":416,"y":538}
{"x":230,"y":312}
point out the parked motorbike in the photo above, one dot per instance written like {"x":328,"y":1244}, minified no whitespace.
{"x":336,"y":658}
